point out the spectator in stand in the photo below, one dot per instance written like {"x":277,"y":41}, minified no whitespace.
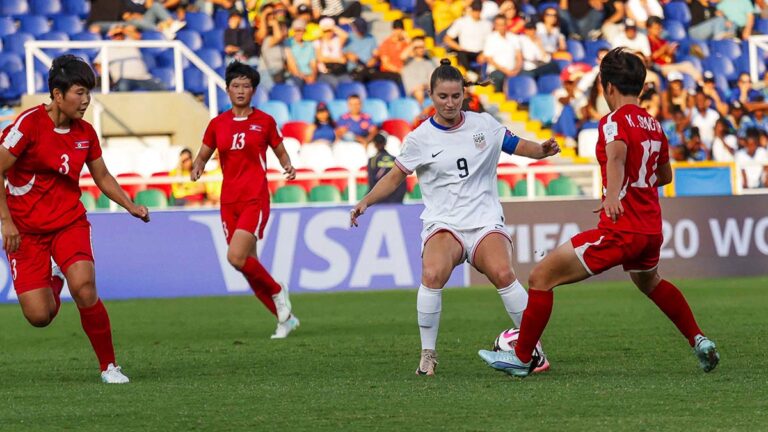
{"x":127,"y":69}
{"x":675,"y":96}
{"x":149,"y":15}
{"x":188,"y":194}
{"x":695,"y":150}
{"x":536,"y":60}
{"x":582,"y":18}
{"x":515,"y":19}
{"x":615,"y":14}
{"x":502,"y":54}
{"x":596,"y":107}
{"x":650,"y":101}
{"x":467,"y":36}
{"x":678,"y":133}
{"x":331,"y":62}
{"x":324,"y":128}
{"x":663,"y":52}
{"x":417,"y":70}
{"x":740,"y":119}
{"x":759,"y":108}
{"x":548,"y":31}
{"x":356,"y":125}
{"x":752,"y":159}
{"x":740,"y":15}
{"x":640,"y":10}
{"x":392,"y":53}
{"x":633,"y":40}
{"x":569,"y":98}
{"x":707,"y":22}
{"x":360,"y":49}
{"x":744,"y":92}
{"x":704,"y":118}
{"x":335,"y":9}
{"x":300,"y":56}
{"x":710,"y":89}
{"x":422,"y":17}
{"x":270,"y":35}
{"x":445,"y":13}
{"x":240,"y":42}
{"x":312,"y":30}
{"x":725,"y":143}
{"x":379,"y":165}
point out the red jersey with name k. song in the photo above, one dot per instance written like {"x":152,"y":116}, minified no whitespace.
{"x":647,"y":148}
{"x":242,"y":143}
{"x":43,"y":190}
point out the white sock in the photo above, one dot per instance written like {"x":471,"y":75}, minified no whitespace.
{"x":515,"y":299}
{"x":429,"y":303}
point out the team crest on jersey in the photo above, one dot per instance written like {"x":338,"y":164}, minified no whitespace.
{"x":479,"y":139}
{"x":255,"y":128}
{"x":82,"y":145}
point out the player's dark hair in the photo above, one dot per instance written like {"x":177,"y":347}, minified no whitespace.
{"x":68,"y":70}
{"x":624,"y":70}
{"x":241,"y":70}
{"x":446,"y":72}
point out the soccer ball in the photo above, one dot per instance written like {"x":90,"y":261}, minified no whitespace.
{"x":507,"y":340}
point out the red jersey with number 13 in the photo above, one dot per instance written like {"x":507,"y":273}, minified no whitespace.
{"x":43,"y":190}
{"x":647,"y":148}
{"x":242,"y":144}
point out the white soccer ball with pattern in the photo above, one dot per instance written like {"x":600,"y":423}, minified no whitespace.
{"x":507,"y":340}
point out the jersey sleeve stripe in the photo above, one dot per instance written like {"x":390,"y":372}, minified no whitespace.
{"x":403,"y":168}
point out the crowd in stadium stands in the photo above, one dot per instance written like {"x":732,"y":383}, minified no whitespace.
{"x":321,"y":65}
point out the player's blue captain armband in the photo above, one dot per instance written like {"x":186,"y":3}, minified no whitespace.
{"x":509,"y":144}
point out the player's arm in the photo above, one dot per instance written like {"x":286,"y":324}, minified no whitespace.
{"x":11,"y":237}
{"x":382,"y":190}
{"x":513,"y":144}
{"x":107,"y":184}
{"x":616,"y":152}
{"x":285,"y":161}
{"x":664,"y":174}
{"x":198,"y":166}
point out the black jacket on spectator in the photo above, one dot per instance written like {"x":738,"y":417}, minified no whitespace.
{"x":378,"y":167}
{"x":243,"y":38}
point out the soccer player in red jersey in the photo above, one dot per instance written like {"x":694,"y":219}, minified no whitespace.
{"x":242,"y":136}
{"x":41,"y":156}
{"x":634,"y":161}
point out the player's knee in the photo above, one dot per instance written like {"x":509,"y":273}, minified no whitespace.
{"x":38,"y":318}
{"x":502,"y":277}
{"x":434,"y":277}
{"x":539,"y":280}
{"x":236,"y":260}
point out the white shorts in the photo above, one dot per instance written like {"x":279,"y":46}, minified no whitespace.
{"x":469,"y":239}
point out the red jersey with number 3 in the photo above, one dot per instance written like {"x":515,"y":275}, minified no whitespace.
{"x":43,"y":190}
{"x":647,"y":148}
{"x":242,"y":144}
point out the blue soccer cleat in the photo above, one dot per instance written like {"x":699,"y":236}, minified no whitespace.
{"x":508,"y":362}
{"x":706,"y":352}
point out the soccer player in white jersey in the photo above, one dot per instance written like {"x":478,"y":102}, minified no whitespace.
{"x":455,"y":155}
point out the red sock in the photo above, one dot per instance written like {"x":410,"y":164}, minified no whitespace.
{"x":672,"y":302}
{"x":57,"y":284}
{"x":261,"y":282}
{"x":534,"y":321}
{"x":95,"y":321}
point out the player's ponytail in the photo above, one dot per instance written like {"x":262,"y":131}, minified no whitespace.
{"x":446,"y":72}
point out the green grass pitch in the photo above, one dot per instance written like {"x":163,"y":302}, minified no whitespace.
{"x":208,"y":364}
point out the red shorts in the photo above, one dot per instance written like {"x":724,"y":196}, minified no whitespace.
{"x":600,"y":249}
{"x":31,"y":263}
{"x":250,"y":216}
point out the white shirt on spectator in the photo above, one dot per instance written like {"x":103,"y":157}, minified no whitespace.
{"x":638,"y":43}
{"x":752,"y":165}
{"x":641,"y":12}
{"x":503,"y":50}
{"x":720,"y":148}
{"x":533,"y":56}
{"x":470,"y":34}
{"x":125,"y":63}
{"x":706,"y":124}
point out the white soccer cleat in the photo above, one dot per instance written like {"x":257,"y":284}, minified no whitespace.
{"x":428,"y":363}
{"x":282,"y":304}
{"x":285,"y":328}
{"x":114,"y":375}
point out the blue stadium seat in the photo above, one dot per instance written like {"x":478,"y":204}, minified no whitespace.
{"x":703,"y":46}
{"x":528,"y":10}
{"x":678,"y":11}
{"x":153,"y":35}
{"x":521,"y":88}
{"x":592,"y":47}
{"x":69,"y":24}
{"x":546,"y":5}
{"x":259,"y":96}
{"x":166,"y":59}
{"x":278,"y":110}
{"x":191,"y":39}
{"x":337,"y":108}
{"x":149,"y":60}
{"x":349,"y":88}
{"x":383,"y":89}
{"x":286,"y":93}
{"x":194,"y":81}
{"x":222,"y":100}
{"x":406,"y":6}
{"x":87,"y":36}
{"x":720,"y":65}
{"x":45,"y":7}
{"x":14,"y":8}
{"x":761,"y":26}
{"x":7,"y":26}
{"x":548,"y":83}
{"x":15,"y":42}
{"x":726,"y":48}
{"x":675,"y":30}
{"x":214,"y":39}
{"x":211,"y":57}
{"x":166,"y":76}
{"x":304,"y":110}
{"x":319,"y":92}
{"x":542,"y":108}
{"x":11,"y":62}
{"x":9,"y":94}
{"x":198,"y":21}
{"x":742,"y":65}
{"x":54,"y":36}
{"x":80,"y":8}
{"x":5,"y":86}
{"x":576,"y":49}
{"x":19,"y":81}
{"x":688,"y":82}
{"x":221,"y":19}
{"x":404,"y":108}
{"x":34,"y":25}
{"x":377,"y":109}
